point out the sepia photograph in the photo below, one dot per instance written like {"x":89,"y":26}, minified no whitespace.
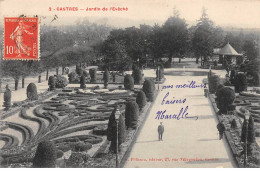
{"x":129,"y":84}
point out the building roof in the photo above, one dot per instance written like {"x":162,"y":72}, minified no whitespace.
{"x":229,"y":51}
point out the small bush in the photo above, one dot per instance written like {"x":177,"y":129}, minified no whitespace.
{"x":75,"y":160}
{"x":251,"y":131}
{"x":129,"y":82}
{"x":93,"y":75}
{"x":82,"y":82}
{"x":81,"y":146}
{"x":213,"y":83}
{"x":7,"y":98}
{"x":79,"y":71}
{"x":61,"y":82}
{"x":159,"y":73}
{"x":218,"y":88}
{"x":131,"y":114}
{"x":106,"y":78}
{"x":73,"y":77}
{"x":233,"y":124}
{"x":45,"y":156}
{"x":225,"y":98}
{"x":51,"y":83}
{"x":32,"y":92}
{"x":141,"y":99}
{"x":232,"y":76}
{"x":112,"y":131}
{"x":148,"y":89}
{"x":240,"y":83}
{"x":137,"y":75}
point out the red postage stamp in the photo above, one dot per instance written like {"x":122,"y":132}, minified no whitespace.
{"x":21,"y":38}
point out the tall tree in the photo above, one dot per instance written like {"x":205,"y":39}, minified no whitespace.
{"x":175,"y":36}
{"x":203,"y":39}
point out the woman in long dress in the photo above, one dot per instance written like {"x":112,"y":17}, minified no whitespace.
{"x":17,"y":36}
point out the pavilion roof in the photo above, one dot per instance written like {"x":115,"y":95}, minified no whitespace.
{"x":229,"y":51}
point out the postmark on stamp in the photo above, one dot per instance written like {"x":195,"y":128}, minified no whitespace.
{"x":21,"y":38}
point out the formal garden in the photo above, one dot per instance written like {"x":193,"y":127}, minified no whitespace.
{"x":236,"y":101}
{"x":75,"y":124}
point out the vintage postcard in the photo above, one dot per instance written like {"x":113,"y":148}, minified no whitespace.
{"x":129,"y":84}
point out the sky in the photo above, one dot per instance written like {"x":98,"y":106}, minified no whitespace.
{"x":234,"y":13}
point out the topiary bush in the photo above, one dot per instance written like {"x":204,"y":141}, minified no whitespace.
{"x":73,"y":77}
{"x":148,"y":89}
{"x":82,"y":82}
{"x":7,"y":98}
{"x":225,"y":98}
{"x":232,"y":76}
{"x":75,"y":160}
{"x":213,"y":83}
{"x":45,"y":156}
{"x":129,"y":82}
{"x":218,"y":88}
{"x":51,"y":83}
{"x":137,"y":75}
{"x":233,"y":124}
{"x":251,"y":131}
{"x":159,"y":73}
{"x":32,"y":92}
{"x":112,"y":131}
{"x":141,"y":99}
{"x":79,"y":71}
{"x":106,"y":78}
{"x":60,"y":81}
{"x":240,"y":83}
{"x":131,"y":114}
{"x":93,"y":75}
{"x":81,"y":146}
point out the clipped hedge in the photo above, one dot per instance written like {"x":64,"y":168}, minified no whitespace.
{"x":51,"y":83}
{"x":60,"y":81}
{"x":7,"y":99}
{"x":45,"y":156}
{"x":82,"y":82}
{"x":106,"y":78}
{"x":137,"y":75}
{"x":141,"y":99}
{"x":148,"y":89}
{"x":213,"y":83}
{"x":93,"y":75}
{"x":73,"y":77}
{"x":128,"y":82}
{"x":82,"y":146}
{"x":112,"y":131}
{"x":159,"y":74}
{"x":225,"y":98}
{"x":79,"y":70}
{"x":32,"y":92}
{"x":131,"y":114}
{"x":240,"y":83}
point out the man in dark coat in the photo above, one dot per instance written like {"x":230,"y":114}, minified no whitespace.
{"x":221,"y":129}
{"x":160,"y":131}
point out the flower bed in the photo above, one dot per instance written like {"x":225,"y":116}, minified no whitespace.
{"x":233,"y":135}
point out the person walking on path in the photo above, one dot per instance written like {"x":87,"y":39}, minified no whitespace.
{"x":221,"y":129}
{"x":160,"y":131}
